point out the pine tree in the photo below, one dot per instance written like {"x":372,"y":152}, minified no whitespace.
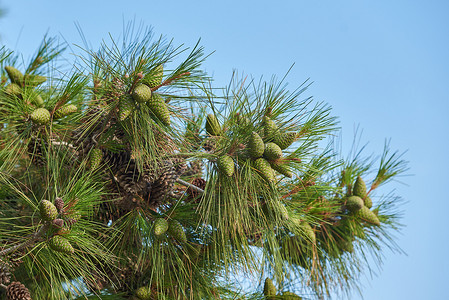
{"x":133,"y":177}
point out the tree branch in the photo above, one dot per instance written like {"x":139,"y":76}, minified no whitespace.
{"x":194,"y":187}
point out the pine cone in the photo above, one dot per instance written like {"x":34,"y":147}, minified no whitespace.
{"x":13,"y":259}
{"x":130,"y":179}
{"x":270,"y":129}
{"x":159,"y":108}
{"x":212,"y":125}
{"x":359,"y":188}
{"x":40,"y":116}
{"x":272,"y":151}
{"x":284,"y":140}
{"x":264,"y":169}
{"x":5,"y":275}
{"x":176,"y":231}
{"x":14,"y":75}
{"x":164,"y":184}
{"x":141,"y":93}
{"x":126,"y":106}
{"x":154,"y":79}
{"x":161,"y":188}
{"x":225,"y":164}
{"x":59,"y":204}
{"x":65,"y":111}
{"x":255,"y":145}
{"x":17,"y":291}
{"x":199,"y":182}
{"x":269,"y":289}
{"x":48,"y":210}
{"x":116,"y":160}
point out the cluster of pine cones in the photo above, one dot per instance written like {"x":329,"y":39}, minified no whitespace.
{"x":147,"y":184}
{"x":264,"y":149}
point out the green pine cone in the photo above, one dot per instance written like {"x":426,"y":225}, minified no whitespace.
{"x":212,"y":125}
{"x":290,"y":296}
{"x":268,"y":288}
{"x":270,"y":128}
{"x":345,"y":245}
{"x":60,"y":244}
{"x":144,"y":293}
{"x":13,"y":89}
{"x":281,"y":168}
{"x":160,"y":226}
{"x":48,"y":210}
{"x":159,"y":108}
{"x":126,"y":106}
{"x":255,"y":145}
{"x":354,"y":203}
{"x":96,"y":156}
{"x":308,"y":233}
{"x":284,"y":140}
{"x":243,"y":121}
{"x":34,"y":80}
{"x":40,"y":116}
{"x":14,"y":75}
{"x":272,"y":151}
{"x":264,"y":169}
{"x":225,"y":164}
{"x":155,"y":79}
{"x":176,"y":231}
{"x":38,"y":101}
{"x":141,"y":93}
{"x":359,"y":188}
{"x":65,"y":111}
{"x":368,"y":202}
{"x":368,"y":216}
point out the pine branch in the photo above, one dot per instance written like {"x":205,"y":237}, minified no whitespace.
{"x":32,"y":239}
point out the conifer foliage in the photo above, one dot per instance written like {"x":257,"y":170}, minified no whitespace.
{"x":133,"y":177}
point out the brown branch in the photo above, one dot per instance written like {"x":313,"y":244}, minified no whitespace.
{"x":169,"y":80}
{"x":194,"y":187}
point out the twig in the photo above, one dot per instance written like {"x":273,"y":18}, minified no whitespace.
{"x":3,"y":286}
{"x":194,"y":187}
{"x":32,"y":239}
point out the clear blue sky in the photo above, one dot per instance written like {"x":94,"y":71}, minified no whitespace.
{"x":382,"y":65}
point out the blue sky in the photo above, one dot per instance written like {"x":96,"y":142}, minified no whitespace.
{"x":381,"y":65}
